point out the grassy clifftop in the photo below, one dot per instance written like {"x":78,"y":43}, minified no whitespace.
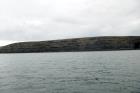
{"x":76,"y":44}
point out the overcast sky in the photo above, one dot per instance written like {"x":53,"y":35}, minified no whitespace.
{"x":28,"y":20}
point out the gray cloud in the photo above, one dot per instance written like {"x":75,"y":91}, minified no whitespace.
{"x":25,"y":20}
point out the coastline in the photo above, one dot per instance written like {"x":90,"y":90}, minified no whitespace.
{"x":108,"y":43}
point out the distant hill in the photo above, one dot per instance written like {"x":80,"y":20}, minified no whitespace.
{"x":76,"y":44}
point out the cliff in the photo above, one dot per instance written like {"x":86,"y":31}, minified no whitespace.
{"x":76,"y":44}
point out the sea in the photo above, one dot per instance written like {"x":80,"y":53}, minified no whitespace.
{"x":71,"y":72}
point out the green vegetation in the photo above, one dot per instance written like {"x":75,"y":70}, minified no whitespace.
{"x":77,"y":44}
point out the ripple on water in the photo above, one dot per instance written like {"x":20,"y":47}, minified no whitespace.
{"x":78,"y":72}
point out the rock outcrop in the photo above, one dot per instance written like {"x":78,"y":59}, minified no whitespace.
{"x":77,"y":44}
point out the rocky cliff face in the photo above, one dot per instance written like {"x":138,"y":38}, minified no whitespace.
{"x":78,"y":44}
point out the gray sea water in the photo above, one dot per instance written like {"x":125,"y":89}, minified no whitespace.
{"x":71,"y":72}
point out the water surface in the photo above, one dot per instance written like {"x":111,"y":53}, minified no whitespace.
{"x":71,"y":72}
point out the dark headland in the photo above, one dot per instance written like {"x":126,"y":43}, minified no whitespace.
{"x":77,"y":44}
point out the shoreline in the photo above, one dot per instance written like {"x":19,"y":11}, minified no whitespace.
{"x":75,"y":45}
